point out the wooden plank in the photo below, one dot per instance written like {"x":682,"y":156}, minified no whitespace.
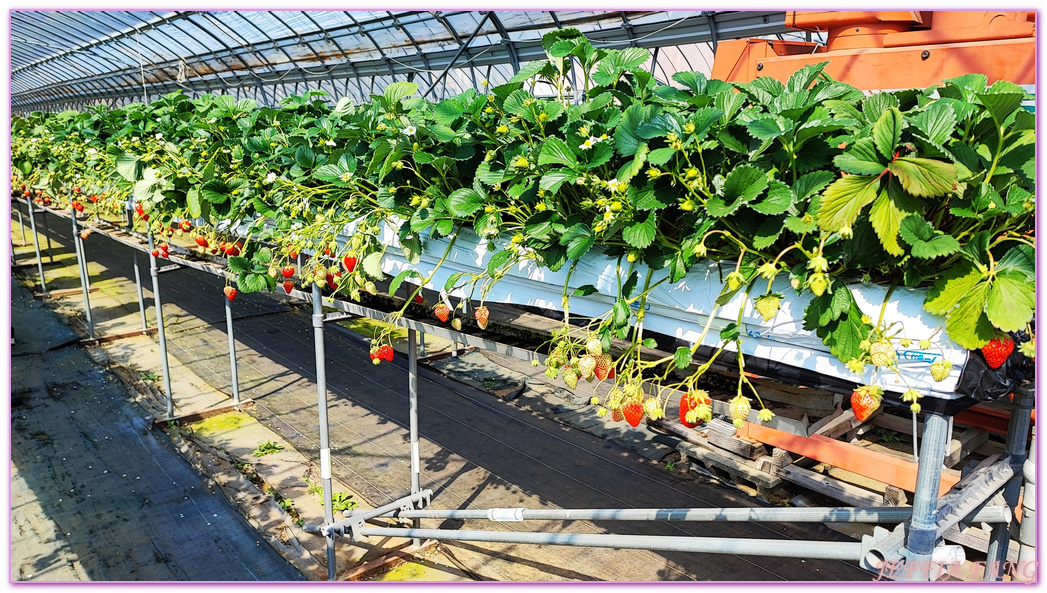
{"x":839,"y":425}
{"x":838,"y":489}
{"x":967,"y":441}
{"x":741,"y":447}
{"x":871,"y":464}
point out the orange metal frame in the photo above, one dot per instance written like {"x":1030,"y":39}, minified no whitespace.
{"x":880,"y":50}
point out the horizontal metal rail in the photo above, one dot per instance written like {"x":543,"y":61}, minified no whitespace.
{"x":994,"y":514}
{"x":711,"y":545}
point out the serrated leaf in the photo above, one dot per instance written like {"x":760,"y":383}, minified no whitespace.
{"x":968,"y":325}
{"x":447,"y":111}
{"x":192,"y":200}
{"x":844,"y":336}
{"x":860,"y":158}
{"x":584,"y":291}
{"x":937,"y":122}
{"x":395,"y":283}
{"x":399,"y":90}
{"x":641,"y":234}
{"x":660,"y":156}
{"x":811,"y":183}
{"x":462,"y":203}
{"x":129,"y":167}
{"x":238,"y":264}
{"x":768,"y":128}
{"x":926,"y":242}
{"x":1011,"y":302}
{"x":925,"y":178}
{"x":695,"y":81}
{"x":556,"y":152}
{"x":886,"y":216}
{"x":876,"y":104}
{"x":658,"y":126}
{"x":527,"y":71}
{"x":497,"y":261}
{"x":1001,"y":100}
{"x":887,"y":131}
{"x":372,"y":265}
{"x":1020,"y":258}
{"x":552,"y":180}
{"x":598,"y":155}
{"x":650,"y":343}
{"x":730,"y":332}
{"x":305,"y":157}
{"x":248,"y":283}
{"x":769,"y":231}
{"x":682,"y":357}
{"x":578,"y":239}
{"x":844,"y":199}
{"x":743,"y":185}
{"x":798,"y":225}
{"x":215,"y":191}
{"x":951,"y":286}
{"x":779,"y":198}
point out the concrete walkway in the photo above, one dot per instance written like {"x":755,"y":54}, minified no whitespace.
{"x":477,"y":451}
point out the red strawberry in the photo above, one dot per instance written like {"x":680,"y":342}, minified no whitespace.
{"x":690,"y":401}
{"x":604,"y":366}
{"x":230,"y":292}
{"x":201,"y":241}
{"x":865,"y":400}
{"x":139,"y":209}
{"x":186,"y":226}
{"x":145,"y":217}
{"x":386,"y":353}
{"x":234,"y":249}
{"x":374,"y":357}
{"x":288,"y":286}
{"x":997,"y":351}
{"x":331,"y":282}
{"x":47,"y":200}
{"x":156,"y":253}
{"x":94,"y":199}
{"x":617,"y":415}
{"x":633,"y":412}
{"x":327,"y":252}
{"x":482,"y":315}
{"x":85,"y":233}
{"x":442,"y":311}
{"x":76,"y":190}
{"x":292,"y":254}
{"x":350,"y":263}
{"x":419,"y":299}
{"x":288,"y":271}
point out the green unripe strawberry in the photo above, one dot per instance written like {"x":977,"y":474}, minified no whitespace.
{"x":739,"y":409}
{"x":881,"y":353}
{"x":940,"y":369}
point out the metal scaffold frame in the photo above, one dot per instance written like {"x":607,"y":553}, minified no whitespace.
{"x":916,"y":542}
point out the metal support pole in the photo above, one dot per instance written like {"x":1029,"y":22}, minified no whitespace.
{"x":412,"y":394}
{"x":36,"y":246}
{"x":1027,"y":531}
{"x":21,"y":224}
{"x":47,"y":234}
{"x":1017,"y":438}
{"x":773,"y":515}
{"x":923,"y":531}
{"x":232,"y":350}
{"x":709,"y":545}
{"x":81,"y":265}
{"x":138,"y":287}
{"x":160,"y":328}
{"x":325,"y":443}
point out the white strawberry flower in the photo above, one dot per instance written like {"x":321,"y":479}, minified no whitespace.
{"x":159,"y":136}
{"x":92,"y":151}
{"x":615,"y":186}
{"x":330,"y":143}
{"x":271,"y":177}
{"x":410,"y":130}
{"x":345,"y":177}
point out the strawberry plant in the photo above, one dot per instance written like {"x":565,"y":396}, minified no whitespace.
{"x":807,"y":179}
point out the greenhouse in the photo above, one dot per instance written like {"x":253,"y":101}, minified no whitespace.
{"x":593,"y":295}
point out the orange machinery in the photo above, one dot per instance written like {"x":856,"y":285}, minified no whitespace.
{"x":894,"y":49}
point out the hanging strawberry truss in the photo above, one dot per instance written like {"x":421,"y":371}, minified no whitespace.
{"x":809,"y":179}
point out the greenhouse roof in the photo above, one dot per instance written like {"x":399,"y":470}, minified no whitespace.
{"x":71,"y":58}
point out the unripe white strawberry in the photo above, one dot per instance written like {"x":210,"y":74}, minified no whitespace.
{"x":570,"y":378}
{"x":940,"y":370}
{"x":739,"y":410}
{"x":594,"y":346}
{"x":586,"y":366}
{"x":881,"y":353}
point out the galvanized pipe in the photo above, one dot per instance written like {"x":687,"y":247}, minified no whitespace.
{"x":387,"y":509}
{"x":166,"y":370}
{"x":709,"y":545}
{"x":47,"y":235}
{"x":772,"y":515}
{"x":1017,"y":438}
{"x":81,"y":266}
{"x":21,"y":224}
{"x":36,"y":247}
{"x":412,"y":396}
{"x":232,"y":350}
{"x":923,"y":530}
{"x":138,"y":287}
{"x":325,"y":443}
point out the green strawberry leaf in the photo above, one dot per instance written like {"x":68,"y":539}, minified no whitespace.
{"x":584,"y":291}
{"x":937,"y":122}
{"x":811,"y":183}
{"x":238,"y":264}
{"x":395,"y":283}
{"x":926,"y":242}
{"x":778,"y":200}
{"x":578,"y":239}
{"x":556,"y":152}
{"x":924,"y":178}
{"x":641,"y":234}
{"x":886,"y":216}
{"x":953,"y":284}
{"x":743,"y":185}
{"x":887,"y":131}
{"x":1020,"y":258}
{"x":552,"y":180}
{"x":372,"y":265}
{"x":462,"y":203}
{"x":845,"y":335}
{"x":682,"y":357}
{"x":1011,"y":302}
{"x":844,"y":199}
{"x":248,"y":282}
{"x":1001,"y":100}
{"x":968,"y":324}
{"x":860,"y":159}
{"x":399,"y":90}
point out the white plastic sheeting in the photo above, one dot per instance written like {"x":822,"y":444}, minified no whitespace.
{"x":682,"y":310}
